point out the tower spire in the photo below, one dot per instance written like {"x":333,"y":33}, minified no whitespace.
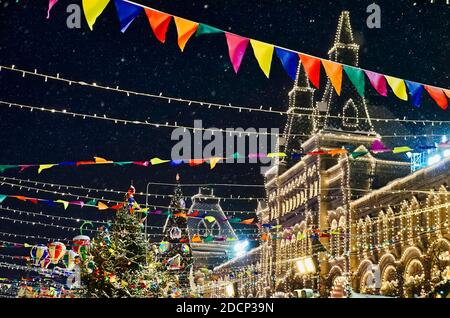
{"x":301,"y":101}
{"x":347,"y":112}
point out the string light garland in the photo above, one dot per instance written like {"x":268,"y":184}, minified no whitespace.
{"x":207,"y":104}
{"x":175,"y":125}
{"x":156,"y":195}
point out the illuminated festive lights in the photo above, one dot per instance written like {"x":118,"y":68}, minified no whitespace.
{"x":175,"y":125}
{"x":59,"y":186}
{"x":209,"y":104}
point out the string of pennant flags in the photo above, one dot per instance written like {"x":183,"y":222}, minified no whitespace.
{"x":376,"y":147}
{"x":159,"y":21}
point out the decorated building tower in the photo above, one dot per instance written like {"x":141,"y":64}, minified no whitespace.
{"x":312,"y":194}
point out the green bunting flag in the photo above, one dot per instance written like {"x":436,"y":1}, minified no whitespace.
{"x":2,"y":197}
{"x":356,"y":76}
{"x":4,"y":167}
{"x":92,"y":202}
{"x":207,"y":29}
{"x":357,"y":154}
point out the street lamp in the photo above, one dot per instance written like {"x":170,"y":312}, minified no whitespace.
{"x":306,"y":265}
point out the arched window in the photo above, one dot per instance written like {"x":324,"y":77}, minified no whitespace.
{"x":202,"y":229}
{"x":215,"y":229}
{"x":350,"y":114}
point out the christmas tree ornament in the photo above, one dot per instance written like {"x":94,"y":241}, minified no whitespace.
{"x":175,"y":233}
{"x":185,"y":249}
{"x":164,"y":246}
{"x":174,"y":263}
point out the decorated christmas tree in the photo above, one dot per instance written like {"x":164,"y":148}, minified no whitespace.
{"x":175,"y":249}
{"x":120,"y":262}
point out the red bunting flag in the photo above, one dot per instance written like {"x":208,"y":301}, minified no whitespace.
{"x":236,"y":49}
{"x":117,"y":206}
{"x":334,"y":73}
{"x":196,"y":162}
{"x":312,"y":68}
{"x":438,"y":95}
{"x":159,"y":22}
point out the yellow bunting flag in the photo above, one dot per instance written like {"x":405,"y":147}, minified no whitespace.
{"x":398,"y":87}
{"x":185,"y":30}
{"x":99,"y":160}
{"x":276,"y":154}
{"x":402,"y":149}
{"x":142,"y":210}
{"x":210,"y":218}
{"x":263,"y":53}
{"x":334,"y":73}
{"x":102,"y":206}
{"x":157,"y":161}
{"x":213,"y":161}
{"x":65,"y":203}
{"x":43,"y":167}
{"x":92,"y":9}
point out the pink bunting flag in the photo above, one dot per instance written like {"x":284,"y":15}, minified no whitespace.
{"x":141,"y":163}
{"x":378,"y":82}
{"x":379,"y":147}
{"x":51,"y":3}
{"x":256,"y":155}
{"x":80,"y":203}
{"x":236,"y":48}
{"x":23,"y":167}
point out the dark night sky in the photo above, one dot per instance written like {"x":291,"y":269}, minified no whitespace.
{"x":412,"y":43}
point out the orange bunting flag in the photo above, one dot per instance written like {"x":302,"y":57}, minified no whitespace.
{"x":159,"y":22}
{"x":180,"y":215}
{"x":447,"y":92}
{"x":398,"y":87}
{"x":185,"y":29}
{"x":20,"y":197}
{"x":196,"y":239}
{"x":99,"y":160}
{"x":334,"y":73}
{"x":248,"y":221}
{"x":264,"y":237}
{"x":102,"y":206}
{"x":337,"y":151}
{"x":263,"y":53}
{"x":312,"y":68}
{"x":438,"y":95}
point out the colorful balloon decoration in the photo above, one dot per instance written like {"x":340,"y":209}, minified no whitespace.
{"x":56,"y":251}
{"x":39,"y":253}
{"x":81,"y":245}
{"x":70,"y":259}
